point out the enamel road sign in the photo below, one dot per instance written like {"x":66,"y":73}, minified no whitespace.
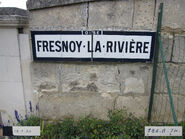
{"x":96,"y":46}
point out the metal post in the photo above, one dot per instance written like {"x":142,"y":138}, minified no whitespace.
{"x":167,"y":82}
{"x":159,"y":24}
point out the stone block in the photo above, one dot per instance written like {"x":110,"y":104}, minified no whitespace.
{"x":89,"y":78}
{"x":161,"y":111}
{"x":75,"y":104}
{"x":135,"y":78}
{"x":73,"y":17}
{"x":144,"y":15}
{"x":167,"y":44}
{"x":26,"y":61}
{"x":136,"y":105}
{"x":75,"y":89}
{"x":45,"y":77}
{"x":110,"y":14}
{"x":176,"y":76}
{"x":25,"y":48}
{"x":11,"y":99}
{"x":173,"y":13}
{"x":35,"y":4}
{"x":179,"y":49}
{"x":10,"y":69}
{"x":134,"y":85}
{"x":9,"y":42}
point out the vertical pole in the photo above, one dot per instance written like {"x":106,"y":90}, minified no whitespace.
{"x":159,"y":24}
{"x":167,"y":83}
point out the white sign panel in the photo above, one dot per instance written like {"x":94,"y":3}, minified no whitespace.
{"x":102,"y":45}
{"x":122,"y":47}
{"x":163,"y":130}
{"x":61,"y":45}
{"x":26,"y":130}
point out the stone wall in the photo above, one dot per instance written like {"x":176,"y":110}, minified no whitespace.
{"x":173,"y":39}
{"x":12,"y":93}
{"x":82,"y":88}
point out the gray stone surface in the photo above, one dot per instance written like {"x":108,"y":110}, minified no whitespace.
{"x":84,"y":88}
{"x":13,"y":21}
{"x":179,"y":49}
{"x":134,"y":85}
{"x":135,"y":79}
{"x":167,"y":44}
{"x":10,"y":69}
{"x":110,"y":14}
{"x":13,"y":16}
{"x":13,"y":11}
{"x":75,"y":104}
{"x":26,"y":60}
{"x":91,"y":78}
{"x":144,"y":15}
{"x":176,"y":76}
{"x":75,"y":89}
{"x":173,"y":13}
{"x":136,"y":105}
{"x":5,"y":35}
{"x":122,"y":79}
{"x":12,"y":98}
{"x":162,"y":109}
{"x":75,"y":78}
{"x":72,"y":17}
{"x":39,"y":4}
{"x":44,"y":78}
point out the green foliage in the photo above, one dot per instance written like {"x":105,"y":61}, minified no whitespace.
{"x":183,"y":128}
{"x":31,"y":121}
{"x":135,"y":126}
{"x":119,"y":126}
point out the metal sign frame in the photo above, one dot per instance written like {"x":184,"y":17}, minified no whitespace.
{"x":92,"y":34}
